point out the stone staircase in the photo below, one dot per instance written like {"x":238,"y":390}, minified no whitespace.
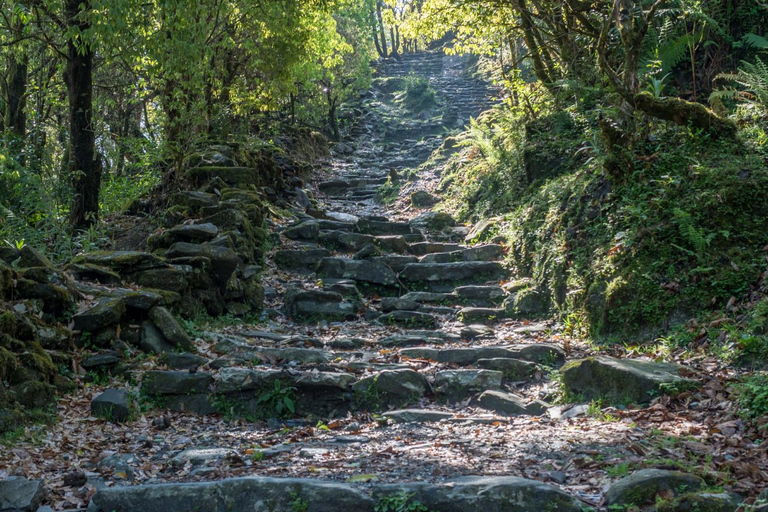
{"x":387,"y":332}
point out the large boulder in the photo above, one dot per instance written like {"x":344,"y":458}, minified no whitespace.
{"x":622,"y":380}
{"x":642,"y":487}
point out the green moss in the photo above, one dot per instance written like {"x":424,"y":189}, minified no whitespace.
{"x":8,"y":363}
{"x":632,"y":256}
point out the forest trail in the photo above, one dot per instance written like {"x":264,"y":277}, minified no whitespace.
{"x":391,"y":359}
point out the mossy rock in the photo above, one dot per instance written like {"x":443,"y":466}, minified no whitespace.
{"x":702,"y":502}
{"x":642,"y":487}
{"x":622,"y":380}
{"x":6,"y":281}
{"x":122,"y":262}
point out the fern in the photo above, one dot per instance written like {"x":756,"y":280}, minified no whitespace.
{"x":753,"y":80}
{"x":693,"y":236}
{"x":755,"y":41}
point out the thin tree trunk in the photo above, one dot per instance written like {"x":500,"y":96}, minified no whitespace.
{"x":15,"y":108}
{"x":84,"y":168}
{"x":382,"y":33}
{"x":376,"y":35}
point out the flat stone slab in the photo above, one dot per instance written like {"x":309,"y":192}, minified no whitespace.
{"x":622,"y":380}
{"x":474,"y":270}
{"x":358,"y":270}
{"x":204,"y":456}
{"x":257,"y":494}
{"x":408,"y":319}
{"x":417,"y":416}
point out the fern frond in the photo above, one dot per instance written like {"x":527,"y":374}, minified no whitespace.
{"x":755,"y":41}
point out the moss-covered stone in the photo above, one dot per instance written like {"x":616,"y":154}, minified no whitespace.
{"x":642,"y":487}
{"x":237,"y":176}
{"x":622,"y":380}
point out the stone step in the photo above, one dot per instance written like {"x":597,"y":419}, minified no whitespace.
{"x":543,"y":353}
{"x":239,"y":495}
{"x":445,"y":276}
{"x":479,"y":253}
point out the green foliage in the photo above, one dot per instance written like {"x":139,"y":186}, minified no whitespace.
{"x":399,"y":503}
{"x":298,"y":504}
{"x":418,"y":95}
{"x":280,"y":400}
{"x":753,"y":395}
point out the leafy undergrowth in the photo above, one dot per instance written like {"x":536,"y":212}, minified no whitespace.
{"x":680,"y":236}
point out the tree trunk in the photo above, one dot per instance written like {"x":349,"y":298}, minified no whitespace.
{"x":376,"y":35}
{"x":15,"y":108}
{"x":84,"y":169}
{"x":382,"y":33}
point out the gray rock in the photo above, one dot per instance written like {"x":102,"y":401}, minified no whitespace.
{"x":417,"y":416}
{"x":295,"y":258}
{"x":21,"y":495}
{"x":31,"y":257}
{"x":472,"y":332}
{"x":428,"y":297}
{"x":308,"y":230}
{"x":343,"y":240}
{"x":325,"y":380}
{"x":489,"y":494}
{"x":379,"y":228}
{"x":621,"y":380}
{"x":489,"y":252}
{"x":410,"y":319}
{"x":359,"y":270}
{"x":100,"y":362}
{"x":490,"y":293}
{"x":513,"y":369}
{"x":422,"y":248}
{"x":481,"y":315}
{"x":392,"y":243}
{"x":460,"y":356}
{"x":171,"y":328}
{"x":396,"y":303}
{"x":407,"y":340}
{"x":197,"y":403}
{"x":233,"y":495}
{"x":469,"y":270}
{"x":397,"y":387}
{"x":542,"y":353}
{"x":436,"y":221}
{"x":182,"y":361}
{"x":193,"y":233}
{"x":152,"y":340}
{"x":509,"y":404}
{"x":422,"y":198}
{"x":481,"y":231}
{"x":235,"y":380}
{"x":113,"y":405}
{"x":104,"y":313}
{"x":642,"y":486}
{"x":394,"y":262}
{"x":455,"y":385}
{"x":314,"y":305}
{"x":159,"y":382}
{"x":705,"y":502}
{"x":224,"y":261}
{"x":204,"y":457}
{"x":122,"y":262}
